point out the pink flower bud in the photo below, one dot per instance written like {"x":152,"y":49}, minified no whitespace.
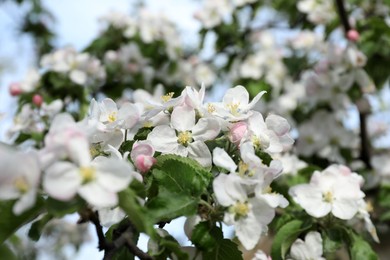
{"x":144,"y":162}
{"x":14,"y":89}
{"x":37,"y":100}
{"x":237,"y":132}
{"x":353,"y":35}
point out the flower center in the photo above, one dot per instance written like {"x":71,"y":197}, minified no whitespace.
{"x":328,"y":197}
{"x":184,"y":138}
{"x":88,"y":173}
{"x":210,"y":108}
{"x":256,"y":141}
{"x":241,"y":209}
{"x":234,"y":108}
{"x":167,"y":97}
{"x":243,"y":170}
{"x":267,"y":190}
{"x":112,"y":117}
{"x":21,"y":184}
{"x":148,"y":124}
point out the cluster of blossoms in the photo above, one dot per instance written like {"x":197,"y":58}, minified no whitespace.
{"x":213,"y":13}
{"x":82,"y":158}
{"x":156,"y":30}
{"x":81,"y":68}
{"x":325,"y":136}
{"x":150,"y":27}
{"x":334,"y":75}
{"x":318,"y":11}
{"x":266,"y":62}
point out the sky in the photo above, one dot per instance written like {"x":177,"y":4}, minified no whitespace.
{"x":76,"y":25}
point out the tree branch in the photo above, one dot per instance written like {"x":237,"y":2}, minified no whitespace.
{"x":343,"y":15}
{"x":364,"y":139}
{"x":122,"y":236}
{"x":365,"y":145}
{"x":126,"y":239}
{"x":103,"y":243}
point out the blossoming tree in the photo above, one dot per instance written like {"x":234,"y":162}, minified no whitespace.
{"x":125,"y":134}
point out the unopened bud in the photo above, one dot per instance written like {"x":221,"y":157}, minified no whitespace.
{"x":37,"y":100}
{"x":237,"y":132}
{"x":14,"y":89}
{"x":144,"y":162}
{"x":353,"y":35}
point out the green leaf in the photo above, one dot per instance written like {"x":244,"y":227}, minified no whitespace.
{"x":332,"y":239}
{"x":284,"y":238}
{"x":265,"y":157}
{"x":172,"y":246}
{"x":202,"y":236}
{"x":137,"y":214}
{"x":181,"y":175}
{"x":36,"y":228}
{"x":359,"y":248}
{"x":9,"y":222}
{"x":6,"y":253}
{"x":167,"y":206}
{"x":143,"y":133}
{"x":61,"y":208}
{"x":225,"y":249}
{"x":126,"y":146}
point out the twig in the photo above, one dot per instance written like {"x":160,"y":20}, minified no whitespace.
{"x":122,"y":236}
{"x":126,"y":239}
{"x":103,"y":243}
{"x":343,"y":15}
{"x":364,"y":140}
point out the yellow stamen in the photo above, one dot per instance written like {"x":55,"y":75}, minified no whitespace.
{"x":94,"y":151}
{"x":21,"y":184}
{"x":234,"y":108}
{"x":210,"y":108}
{"x":267,"y":190}
{"x":112,"y":117}
{"x":184,"y":138}
{"x":256,"y":142}
{"x":328,"y":197}
{"x":167,"y":97}
{"x":88,"y":174}
{"x":148,"y":124}
{"x":242,"y":168}
{"x":241,"y":209}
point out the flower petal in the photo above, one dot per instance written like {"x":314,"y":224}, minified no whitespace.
{"x":183,"y":118}
{"x":97,"y":196}
{"x":206,"y":129}
{"x":62,"y":180}
{"x":200,"y":152}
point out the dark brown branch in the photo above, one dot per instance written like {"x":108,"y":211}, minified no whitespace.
{"x":343,"y":15}
{"x":103,"y":243}
{"x":364,"y":139}
{"x":122,"y":236}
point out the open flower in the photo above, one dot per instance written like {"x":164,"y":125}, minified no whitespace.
{"x":336,"y":190}
{"x":235,"y":105}
{"x":310,"y":249}
{"x":185,"y":137}
{"x":19,"y":180}
{"x":98,"y":181}
{"x":250,"y":216}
